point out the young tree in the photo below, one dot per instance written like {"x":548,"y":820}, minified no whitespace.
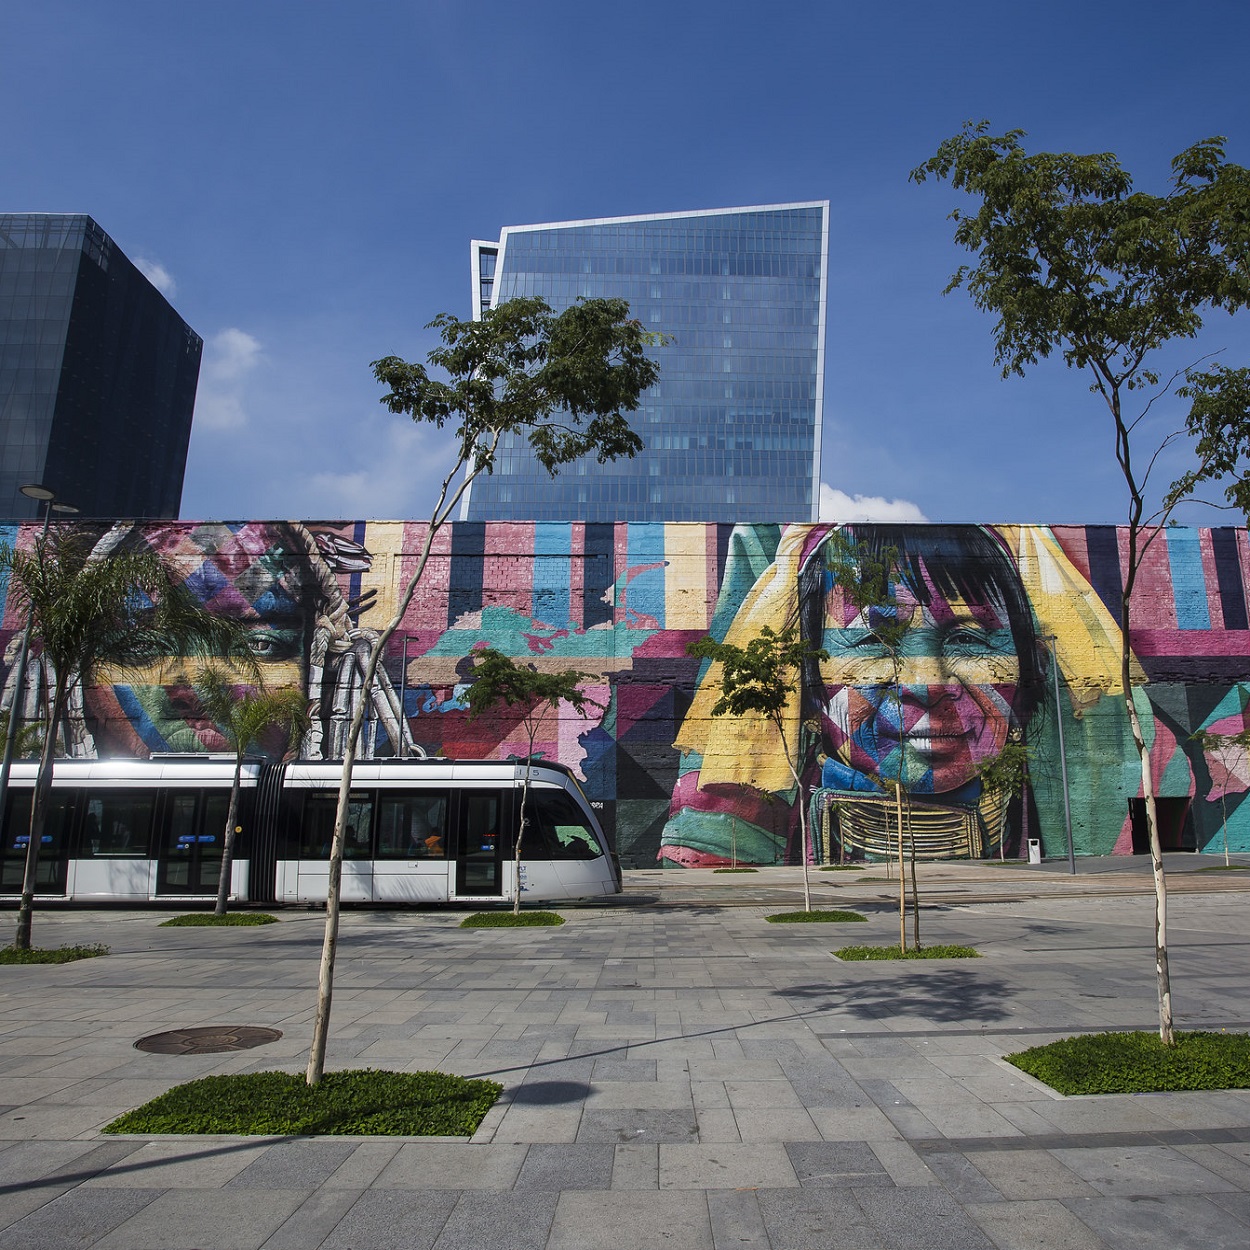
{"x":1070,"y":257}
{"x":124,"y":608}
{"x":1006,"y":773}
{"x":763,"y":678}
{"x":1228,"y":750}
{"x":499,"y":682}
{"x":563,"y":383}
{"x":245,"y":717}
{"x":865,"y":584}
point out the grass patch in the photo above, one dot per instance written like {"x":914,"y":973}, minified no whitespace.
{"x":62,"y":955}
{"x":1138,"y":1063}
{"x":735,"y":870}
{"x":1224,"y":868}
{"x":816,"y":916}
{"x":358,"y":1103}
{"x":841,"y":868}
{"x":506,"y":920}
{"x":207,"y":920}
{"x":893,"y":952}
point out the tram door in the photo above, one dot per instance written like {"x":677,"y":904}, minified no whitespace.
{"x":53,"y":866}
{"x":191,"y":843}
{"x":481,"y":843}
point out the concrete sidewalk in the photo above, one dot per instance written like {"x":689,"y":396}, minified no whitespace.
{"x":680,"y":1075}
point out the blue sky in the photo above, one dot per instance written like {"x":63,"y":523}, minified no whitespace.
{"x":304,"y":177}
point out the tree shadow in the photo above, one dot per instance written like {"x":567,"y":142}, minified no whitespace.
{"x":942,"y":995}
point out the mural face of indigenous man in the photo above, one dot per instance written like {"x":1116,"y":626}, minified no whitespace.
{"x":279,"y":581}
{"x":924,"y":686}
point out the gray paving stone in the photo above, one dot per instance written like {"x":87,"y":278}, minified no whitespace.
{"x":1154,"y":1223}
{"x":671,"y":1220}
{"x":493,"y":1221}
{"x":839,"y":1164}
{"x":736,"y":1220}
{"x":384,"y":1219}
{"x":582,"y":1165}
{"x":898,"y":1214}
{"x":1144,"y":1170}
{"x":313,"y":1220}
{"x":205,"y":1220}
{"x":637,"y":1126}
{"x":636,"y":1166}
{"x":300,"y":1164}
{"x":77,"y":1218}
{"x":815,"y":1219}
{"x":1039,"y":1224}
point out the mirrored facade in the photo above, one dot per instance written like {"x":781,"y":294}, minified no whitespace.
{"x":732,"y":429}
{"x":97,"y":374}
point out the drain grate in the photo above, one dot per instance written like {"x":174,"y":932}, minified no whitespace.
{"x":213,"y":1039}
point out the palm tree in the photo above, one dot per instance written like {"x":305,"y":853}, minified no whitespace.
{"x":88,"y":610}
{"x":245,"y":718}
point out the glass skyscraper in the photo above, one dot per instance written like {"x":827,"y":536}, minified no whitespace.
{"x":732,"y":429}
{"x":97,"y":374}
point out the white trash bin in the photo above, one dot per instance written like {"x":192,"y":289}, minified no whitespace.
{"x":1035,"y":851}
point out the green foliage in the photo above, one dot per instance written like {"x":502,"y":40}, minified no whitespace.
{"x":29,"y":739}
{"x":841,"y":868}
{"x":1139,"y":1063}
{"x":735,"y":869}
{"x":510,"y":920}
{"x":62,"y":955}
{"x":831,"y":916}
{"x":246,"y":716}
{"x":759,"y":677}
{"x":124,"y":608}
{"x":497,"y":679}
{"x":356,"y":1103}
{"x":207,"y":920}
{"x":511,"y":370}
{"x":1008,"y":771}
{"x":1070,"y":257}
{"x":894,"y":952}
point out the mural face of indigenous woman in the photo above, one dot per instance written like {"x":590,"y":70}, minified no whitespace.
{"x":923,"y":685}
{"x":931,"y":683}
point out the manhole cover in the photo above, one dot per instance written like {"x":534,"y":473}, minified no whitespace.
{"x":213,"y":1039}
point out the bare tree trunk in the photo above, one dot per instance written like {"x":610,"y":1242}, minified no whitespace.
{"x":915,"y":890}
{"x":38,"y":818}
{"x":227,"y":841}
{"x":902,"y":876}
{"x":798,"y":787}
{"x":520,"y":832}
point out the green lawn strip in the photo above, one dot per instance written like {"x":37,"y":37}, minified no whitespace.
{"x":1224,"y":868}
{"x":62,"y":955}
{"x":817,"y":916}
{"x":735,"y":870}
{"x":841,"y":868}
{"x":207,"y":920}
{"x":506,"y":920}
{"x":1139,"y":1063}
{"x":363,"y":1103}
{"x":893,"y":952}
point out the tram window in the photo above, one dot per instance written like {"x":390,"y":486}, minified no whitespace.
{"x":118,"y":825}
{"x":412,"y":826}
{"x":557,"y":829}
{"x":17,"y":836}
{"x":317,"y":829}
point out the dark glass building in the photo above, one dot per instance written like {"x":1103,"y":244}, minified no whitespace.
{"x":97,"y":374}
{"x":732,"y":429}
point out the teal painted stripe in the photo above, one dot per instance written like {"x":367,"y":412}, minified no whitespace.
{"x":1189,"y":587}
{"x":8,"y":538}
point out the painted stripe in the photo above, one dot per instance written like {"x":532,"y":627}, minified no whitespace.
{"x":552,"y":573}
{"x":598,"y":573}
{"x":1103,"y":548}
{"x":686,"y":592}
{"x":643,"y":593}
{"x":1189,"y":589}
{"x":1228,"y":574}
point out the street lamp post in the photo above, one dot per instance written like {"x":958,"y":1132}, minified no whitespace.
{"x":48,"y":499}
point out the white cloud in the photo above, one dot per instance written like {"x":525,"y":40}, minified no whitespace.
{"x":385,"y":487}
{"x":230,"y":357}
{"x":837,"y":505}
{"x":157,"y":275}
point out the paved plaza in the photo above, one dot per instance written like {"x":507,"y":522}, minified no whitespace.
{"x":677,"y":1073}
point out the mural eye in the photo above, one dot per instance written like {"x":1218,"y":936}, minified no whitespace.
{"x":267,"y":644}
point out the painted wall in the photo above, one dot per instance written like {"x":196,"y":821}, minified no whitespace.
{"x":993,"y":614}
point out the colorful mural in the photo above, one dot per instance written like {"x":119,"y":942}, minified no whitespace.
{"x":997,"y":620}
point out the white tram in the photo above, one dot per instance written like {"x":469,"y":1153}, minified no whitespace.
{"x":419,"y":831}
